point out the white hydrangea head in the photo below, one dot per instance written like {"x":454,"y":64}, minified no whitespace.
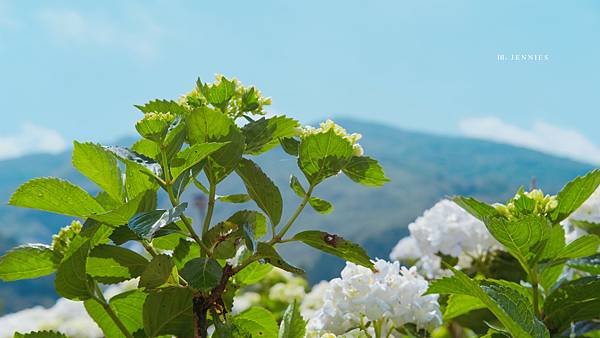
{"x":390,"y":294}
{"x":357,"y":149}
{"x":448,"y":229}
{"x":244,"y":301}
{"x":314,"y":300}
{"x":407,"y":249}
{"x":287,"y":292}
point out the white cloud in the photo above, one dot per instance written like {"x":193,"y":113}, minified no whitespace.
{"x":541,"y":136}
{"x":70,"y":26}
{"x":31,"y":139}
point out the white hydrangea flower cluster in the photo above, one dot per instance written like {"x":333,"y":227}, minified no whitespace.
{"x":392,"y":296}
{"x":447,"y":229}
{"x":66,"y":316}
{"x":353,"y":138}
{"x":314,"y":300}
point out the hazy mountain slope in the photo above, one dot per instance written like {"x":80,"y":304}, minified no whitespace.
{"x":423,"y":169}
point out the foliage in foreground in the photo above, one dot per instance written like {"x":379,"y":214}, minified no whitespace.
{"x":188,"y":278}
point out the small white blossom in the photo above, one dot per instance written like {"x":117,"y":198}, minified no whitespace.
{"x":244,"y":301}
{"x":314,"y":300}
{"x":357,"y":149}
{"x":286,"y":292}
{"x":392,"y":295}
{"x":407,"y":249}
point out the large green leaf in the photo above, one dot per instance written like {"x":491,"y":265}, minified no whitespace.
{"x":100,"y":166}
{"x":476,"y":208}
{"x":157,"y":272}
{"x":137,"y":182}
{"x":506,"y":301}
{"x":258,"y":322}
{"x":292,"y":324}
{"x":323,"y":155}
{"x":335,"y":245}
{"x":127,"y":306}
{"x":121,"y":215}
{"x":589,"y":264}
{"x":208,"y":125}
{"x":253,"y":273}
{"x":169,"y":312}
{"x":574,"y":194}
{"x":366,"y":171}
{"x":191,"y":156}
{"x":219,"y":93}
{"x":264,"y":134}
{"x":55,"y":195}
{"x":255,"y":219}
{"x":262,"y":190}
{"x":581,"y":247}
{"x":145,"y":224}
{"x":572,"y":302}
{"x":142,"y":163}
{"x":459,"y":304}
{"x":519,"y":236}
{"x":590,"y":227}
{"x":26,"y":261}
{"x":111,"y":264}
{"x":202,"y":273}
{"x":185,"y":251}
{"x":71,"y":280}
{"x":162,"y":106}
{"x":268,"y":254}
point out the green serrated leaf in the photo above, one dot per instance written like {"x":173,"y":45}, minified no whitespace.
{"x":169,"y":312}
{"x":320,"y":205}
{"x":292,"y":324}
{"x":257,"y":321}
{"x":323,"y":155}
{"x":366,"y":171}
{"x":574,"y":194}
{"x":581,"y":247}
{"x":137,"y":182}
{"x":100,"y":166}
{"x":142,"y":163}
{"x":145,"y":224}
{"x":253,"y":273}
{"x":290,"y":145}
{"x":236,"y":198}
{"x":157,"y":272}
{"x":297,"y":187}
{"x":162,"y":106}
{"x":71,"y":280}
{"x":590,"y":227}
{"x":476,"y":208}
{"x":26,"y":262}
{"x":506,"y":301}
{"x":589,"y":264}
{"x":262,"y":190}
{"x":126,"y":306}
{"x":573,"y":301}
{"x":143,"y":202}
{"x":191,"y":156}
{"x":185,"y":251}
{"x":267,"y":253}
{"x":519,"y":236}
{"x":202,"y":273}
{"x":110,"y":264}
{"x":55,"y":195}
{"x":335,"y":245}
{"x":255,"y":219}
{"x":459,"y":305}
{"x":264,"y":134}
{"x":208,"y":125}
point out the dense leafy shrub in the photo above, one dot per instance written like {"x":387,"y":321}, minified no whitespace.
{"x":189,"y":276}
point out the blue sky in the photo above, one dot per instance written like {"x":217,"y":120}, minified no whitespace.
{"x":74,"y":70}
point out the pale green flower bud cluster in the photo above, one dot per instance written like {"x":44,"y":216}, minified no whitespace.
{"x":538,"y":204}
{"x":162,"y":117}
{"x":61,"y":241}
{"x":357,"y":149}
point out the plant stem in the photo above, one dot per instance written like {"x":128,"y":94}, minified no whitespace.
{"x":536,"y":306}
{"x":102,"y":301}
{"x":277,"y":238}
{"x":212,"y":192}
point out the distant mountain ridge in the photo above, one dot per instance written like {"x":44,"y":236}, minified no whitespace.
{"x":423,"y":168}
